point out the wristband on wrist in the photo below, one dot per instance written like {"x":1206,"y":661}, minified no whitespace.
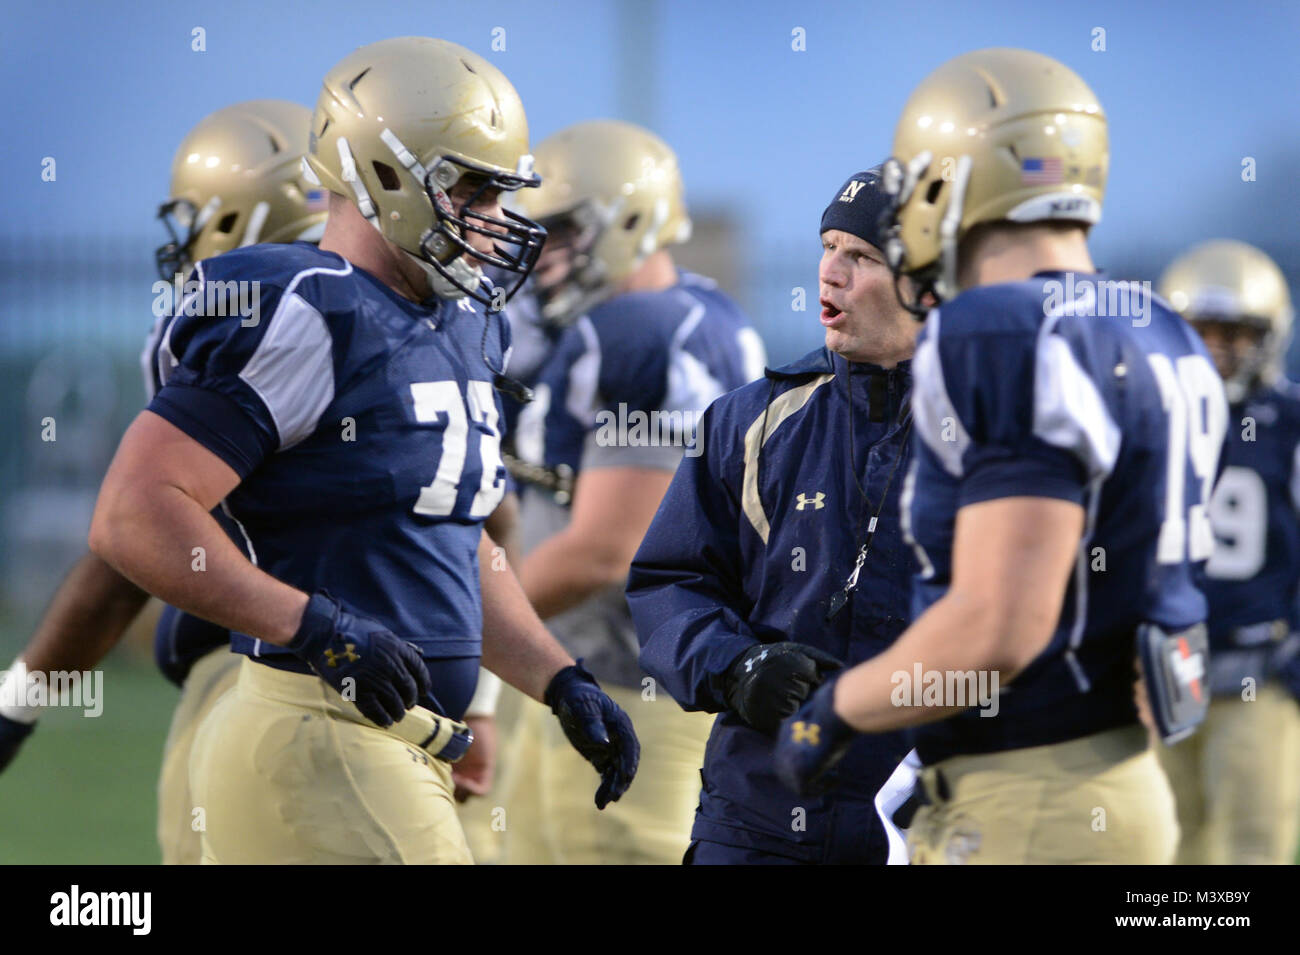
{"x":13,"y":694}
{"x":486,"y":694}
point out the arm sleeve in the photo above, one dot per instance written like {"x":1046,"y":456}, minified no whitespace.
{"x":685,"y":587}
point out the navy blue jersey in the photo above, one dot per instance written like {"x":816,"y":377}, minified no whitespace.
{"x":365,"y":430}
{"x":752,"y":540}
{"x":625,"y":387}
{"x":638,"y":353}
{"x":1124,"y":416}
{"x":1252,"y":577}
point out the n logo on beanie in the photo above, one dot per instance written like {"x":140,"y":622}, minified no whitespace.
{"x":851,"y":190}
{"x":858,"y":206}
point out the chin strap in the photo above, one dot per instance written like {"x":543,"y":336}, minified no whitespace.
{"x":500,"y":380}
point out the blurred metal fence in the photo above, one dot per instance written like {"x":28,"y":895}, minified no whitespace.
{"x":73,"y":314}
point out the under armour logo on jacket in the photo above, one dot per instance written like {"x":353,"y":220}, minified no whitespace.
{"x":816,"y":501}
{"x":851,"y":190}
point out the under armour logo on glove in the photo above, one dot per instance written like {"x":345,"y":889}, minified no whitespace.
{"x":387,"y":676}
{"x":769,"y":681}
{"x":810,"y":743}
{"x":802,"y":732}
{"x":332,"y":658}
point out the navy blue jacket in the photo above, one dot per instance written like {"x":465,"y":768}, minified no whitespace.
{"x":751,"y":541}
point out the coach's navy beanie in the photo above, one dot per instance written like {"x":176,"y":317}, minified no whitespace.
{"x":857,"y":207}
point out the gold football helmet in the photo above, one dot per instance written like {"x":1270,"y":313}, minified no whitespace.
{"x":994,"y":135}
{"x":397,"y":124}
{"x":1228,"y":283}
{"x":237,"y":180}
{"x":612,"y":195}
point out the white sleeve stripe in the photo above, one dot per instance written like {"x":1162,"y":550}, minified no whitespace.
{"x":690,"y":385}
{"x":318,"y":270}
{"x":936,"y":419}
{"x":292,"y":369}
{"x":252,"y":552}
{"x":152,"y":340}
{"x":1068,"y":409}
{"x":905,"y":520}
{"x":584,"y":376}
{"x":1295,"y":478}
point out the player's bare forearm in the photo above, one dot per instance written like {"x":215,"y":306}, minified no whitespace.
{"x":951,"y":636}
{"x":516,"y":644}
{"x":502,"y":526}
{"x":89,"y":613}
{"x":564,"y":571}
{"x":1011,"y":563}
{"x":612,"y":510}
{"x":152,"y":523}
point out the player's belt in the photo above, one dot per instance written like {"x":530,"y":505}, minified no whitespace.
{"x":439,"y":736}
{"x":557,"y":480}
{"x":1256,"y":653}
{"x":1257,"y":634}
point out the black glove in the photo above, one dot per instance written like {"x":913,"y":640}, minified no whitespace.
{"x":769,"y":681}
{"x":385,"y":674}
{"x":12,"y":734}
{"x":598,"y":729}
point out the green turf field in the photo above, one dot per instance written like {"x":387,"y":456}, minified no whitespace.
{"x":82,"y":790}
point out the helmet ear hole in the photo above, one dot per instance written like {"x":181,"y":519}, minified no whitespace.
{"x":387,"y":176}
{"x":932,"y":194}
{"x":631,"y":222}
{"x":226,"y":224}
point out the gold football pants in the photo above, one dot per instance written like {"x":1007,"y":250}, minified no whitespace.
{"x":210,"y":677}
{"x":285,"y":771}
{"x":1237,"y":781}
{"x":1098,"y":799}
{"x":482,"y":817}
{"x":550,"y":815}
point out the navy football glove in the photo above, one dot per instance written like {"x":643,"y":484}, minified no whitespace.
{"x":811,"y":742}
{"x":385,"y":675}
{"x":12,"y":734}
{"x":598,"y":729}
{"x":769,"y":681}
